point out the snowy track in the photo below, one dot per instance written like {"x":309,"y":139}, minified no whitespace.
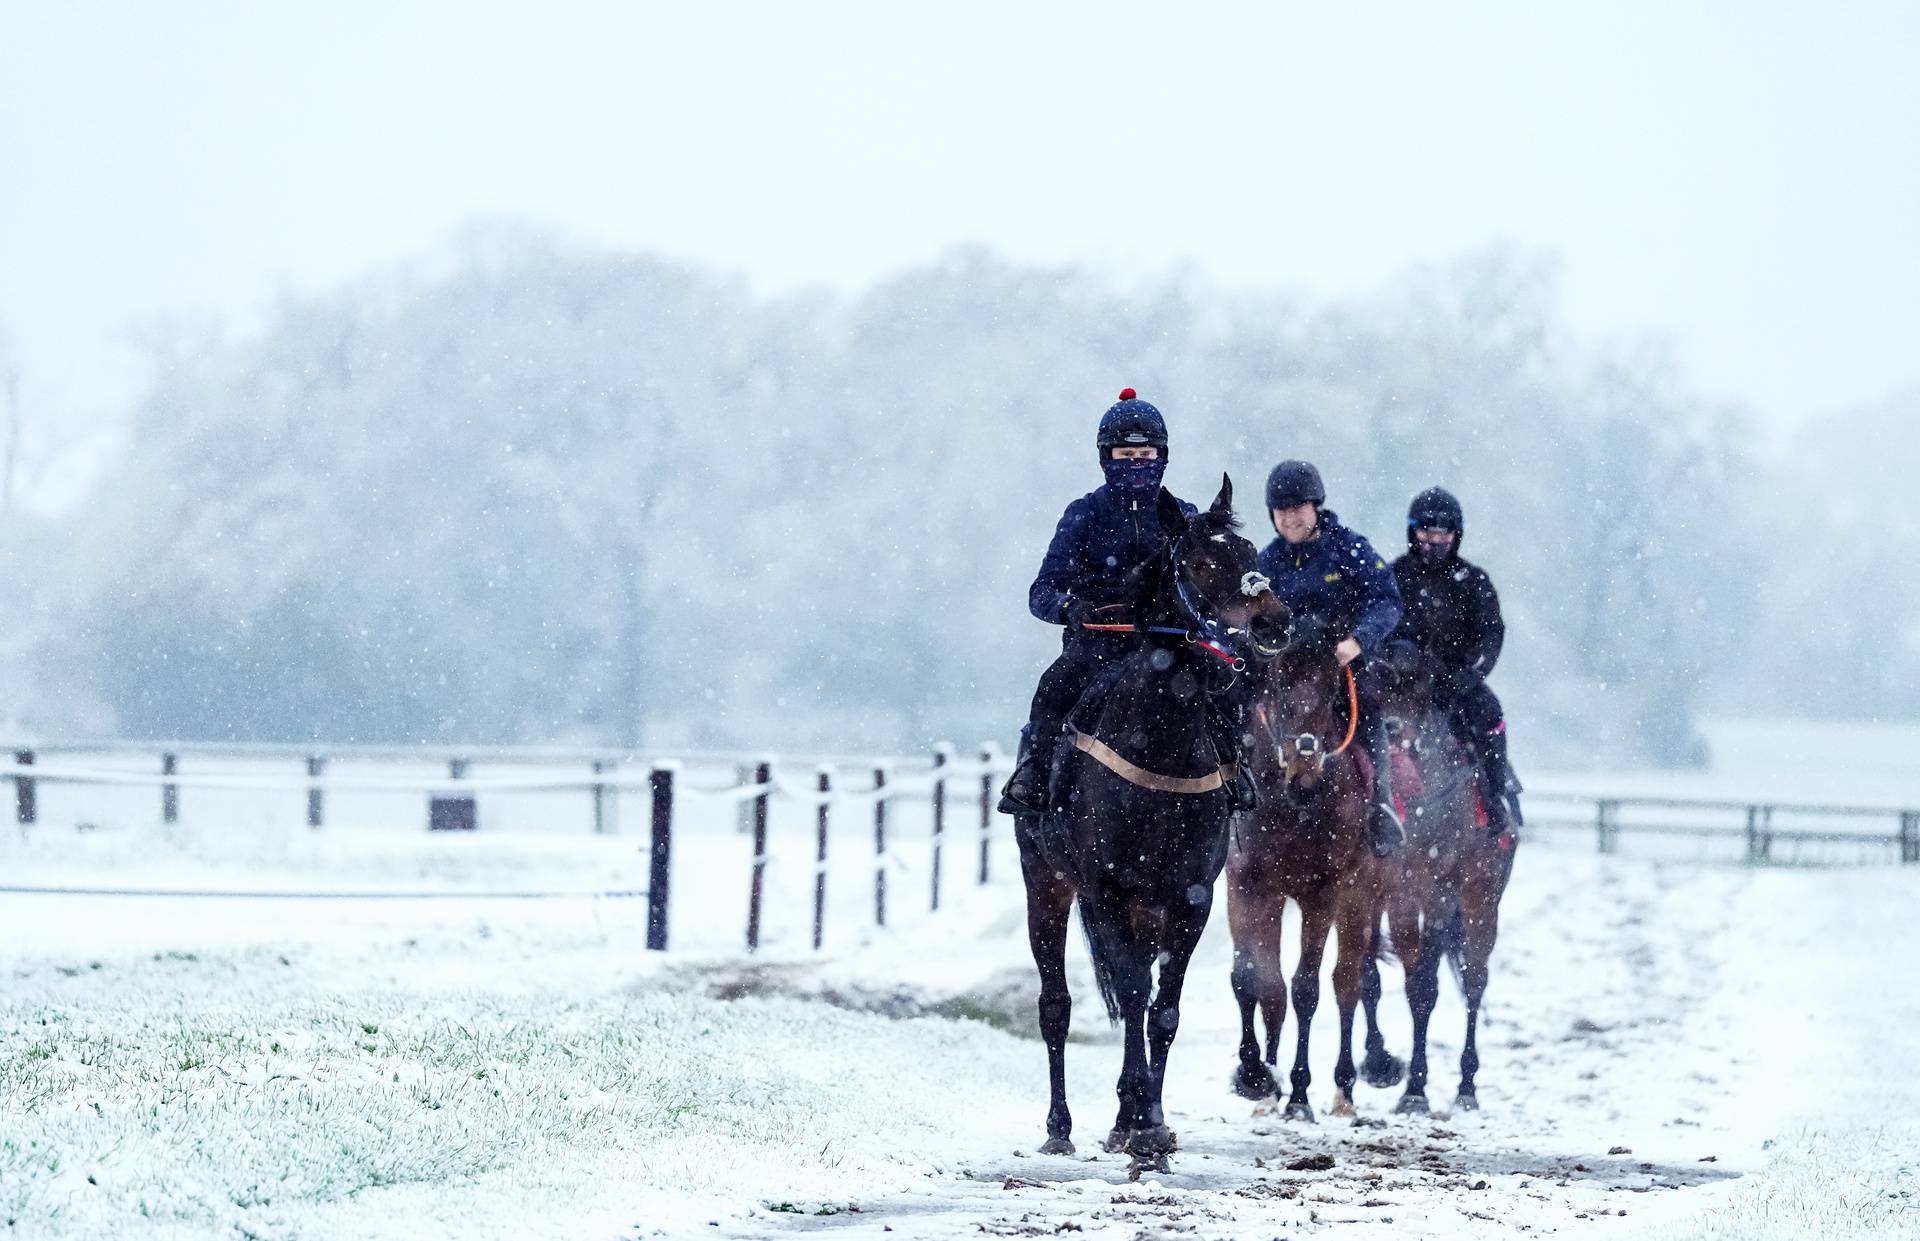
{"x":501,"y":1071}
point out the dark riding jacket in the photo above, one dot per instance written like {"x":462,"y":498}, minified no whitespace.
{"x":1337,"y":577}
{"x":1100,"y":538}
{"x":1452,"y":612}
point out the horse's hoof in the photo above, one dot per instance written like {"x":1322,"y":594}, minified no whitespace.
{"x":1342,"y":1104}
{"x":1151,"y":1143}
{"x":1116,"y":1142}
{"x":1056,"y":1146}
{"x":1412,"y":1105}
{"x":1382,"y":1069}
{"x":1254,"y":1081}
{"x":1267,"y":1106}
{"x":1299,"y":1109}
{"x":1466,"y":1101}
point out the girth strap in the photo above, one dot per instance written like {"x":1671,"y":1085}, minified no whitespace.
{"x":1104,"y":754}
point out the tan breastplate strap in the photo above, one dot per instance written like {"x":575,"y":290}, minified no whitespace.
{"x":1102,"y":753}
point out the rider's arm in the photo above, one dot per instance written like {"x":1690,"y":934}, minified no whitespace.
{"x":1047,"y":597}
{"x":1380,"y":598}
{"x":1489,"y":630}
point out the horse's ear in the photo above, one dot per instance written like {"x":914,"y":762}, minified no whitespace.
{"x":1173,"y":519}
{"x":1223,"y":503}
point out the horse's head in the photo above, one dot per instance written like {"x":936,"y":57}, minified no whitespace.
{"x":1407,"y":676}
{"x":1301,"y":711}
{"x":1208,"y":576}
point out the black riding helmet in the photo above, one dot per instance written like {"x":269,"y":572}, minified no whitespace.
{"x":1436,"y":509}
{"x":1132,"y":423}
{"x":1294,"y":482}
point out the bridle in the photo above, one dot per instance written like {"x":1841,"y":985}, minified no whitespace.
{"x":1308,"y":745}
{"x":1203,"y":631}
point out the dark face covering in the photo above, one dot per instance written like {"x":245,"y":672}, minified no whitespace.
{"x":1434,"y":556}
{"x":1133,"y":476}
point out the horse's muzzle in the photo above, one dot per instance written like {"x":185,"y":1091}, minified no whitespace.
{"x":1267,"y":636}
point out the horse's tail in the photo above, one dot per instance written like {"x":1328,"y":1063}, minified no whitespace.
{"x":1102,"y":968}
{"x":1383,"y":949}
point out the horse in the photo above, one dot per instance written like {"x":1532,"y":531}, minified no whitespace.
{"x":1143,"y":834}
{"x":1444,"y":887}
{"x":1307,"y":841}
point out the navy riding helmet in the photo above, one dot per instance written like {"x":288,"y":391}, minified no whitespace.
{"x":1295,"y":482}
{"x":1132,"y":423}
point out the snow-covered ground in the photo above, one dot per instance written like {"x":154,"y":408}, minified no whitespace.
{"x":1704,"y":1050}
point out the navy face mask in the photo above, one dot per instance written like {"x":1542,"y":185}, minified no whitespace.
{"x":1134,"y":476}
{"x":1433,"y":557}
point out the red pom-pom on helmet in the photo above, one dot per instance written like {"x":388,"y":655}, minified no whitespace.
{"x":1127,"y":394}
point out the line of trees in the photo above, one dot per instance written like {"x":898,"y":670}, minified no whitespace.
{"x":549,"y":494}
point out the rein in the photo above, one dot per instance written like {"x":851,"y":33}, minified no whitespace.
{"x":1209,"y":647}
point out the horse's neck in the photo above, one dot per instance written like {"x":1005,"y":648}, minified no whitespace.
{"x":1142,"y":713}
{"x":1436,"y":749}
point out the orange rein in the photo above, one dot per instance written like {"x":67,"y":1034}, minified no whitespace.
{"x":1353,"y":709}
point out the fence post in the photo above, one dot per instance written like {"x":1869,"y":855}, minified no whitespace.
{"x":26,"y":806}
{"x":942,"y":754}
{"x":1753,"y":835}
{"x":315,"y":766}
{"x":455,"y":811}
{"x":987,"y":754}
{"x":879,"y":846}
{"x":1910,"y":835}
{"x":1766,"y":833}
{"x":660,"y":783}
{"x":606,"y":801}
{"x":169,"y":793}
{"x":1606,"y":813}
{"x":821,"y":814}
{"x":762,"y":776}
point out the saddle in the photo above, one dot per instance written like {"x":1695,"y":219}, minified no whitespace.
{"x":1410,"y":787}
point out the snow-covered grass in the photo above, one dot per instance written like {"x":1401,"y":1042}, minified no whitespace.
{"x":261,"y":1109}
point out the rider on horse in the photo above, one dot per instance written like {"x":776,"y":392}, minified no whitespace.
{"x":1453,"y":614}
{"x":1101,"y":537}
{"x":1330,"y":574}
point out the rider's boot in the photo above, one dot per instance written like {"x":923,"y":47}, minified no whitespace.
{"x":1385,"y":832}
{"x":1501,"y":788}
{"x":1026,"y":790}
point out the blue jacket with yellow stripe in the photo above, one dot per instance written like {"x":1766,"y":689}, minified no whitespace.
{"x":1336,"y":576}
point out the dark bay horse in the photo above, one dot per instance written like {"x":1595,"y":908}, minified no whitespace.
{"x":1306,"y":842}
{"x":1144,"y":834}
{"x":1444,"y":887}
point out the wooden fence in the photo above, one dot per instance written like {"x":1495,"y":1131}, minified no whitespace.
{"x":1770,"y":832}
{"x":452,"y":802}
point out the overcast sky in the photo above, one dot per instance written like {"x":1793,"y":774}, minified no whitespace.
{"x":1742,"y":180}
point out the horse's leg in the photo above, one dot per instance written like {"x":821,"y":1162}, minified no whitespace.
{"x":1049,"y":903}
{"x":1480,"y":908}
{"x":1316,"y":919}
{"x":1421,"y":950}
{"x":1256,"y":945}
{"x":1381,"y":1068}
{"x":1163,"y":1019}
{"x":1145,"y":1135}
{"x":1355,"y":927}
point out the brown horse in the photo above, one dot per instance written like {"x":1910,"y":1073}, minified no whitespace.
{"x":1144,"y":835}
{"x":1307,"y":842}
{"x":1444,"y":887}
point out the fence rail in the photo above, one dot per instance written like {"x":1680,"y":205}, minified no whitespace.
{"x":1768,"y":829}
{"x":452,"y":803}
